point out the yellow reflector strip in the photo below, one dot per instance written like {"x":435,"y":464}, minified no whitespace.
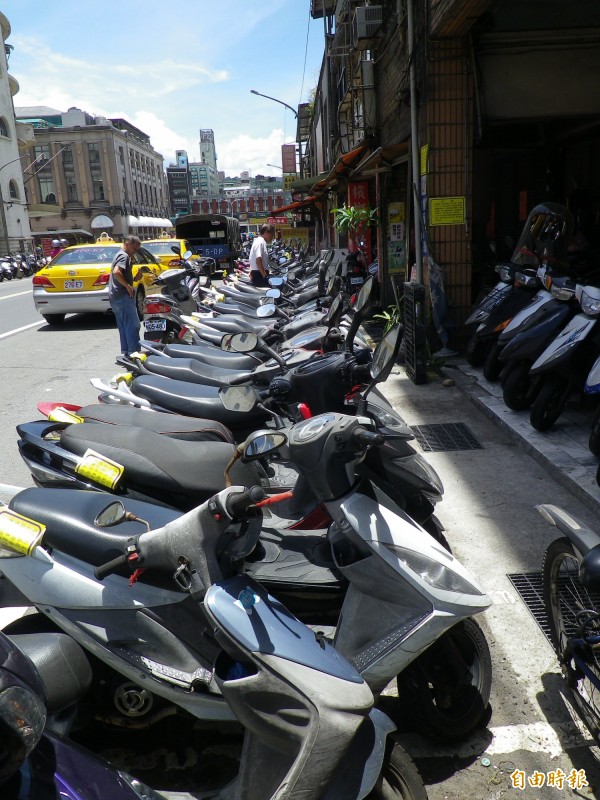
{"x":126,"y":377}
{"x":18,"y":533}
{"x":140,"y":356}
{"x":61,"y":414}
{"x":100,"y":469}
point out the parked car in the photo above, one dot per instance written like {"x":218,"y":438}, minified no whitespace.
{"x":162,"y":249}
{"x":76,"y":280}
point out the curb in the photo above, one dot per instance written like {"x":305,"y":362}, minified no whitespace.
{"x":473,"y":390}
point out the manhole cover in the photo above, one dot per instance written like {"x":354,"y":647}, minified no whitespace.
{"x":445,"y":436}
{"x":529,"y":587}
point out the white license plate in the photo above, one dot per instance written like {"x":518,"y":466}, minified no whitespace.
{"x":355,"y":281}
{"x":155,"y":325}
{"x":73,"y":284}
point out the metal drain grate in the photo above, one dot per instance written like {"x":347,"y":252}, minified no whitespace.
{"x":445,"y":436}
{"x":529,"y":588}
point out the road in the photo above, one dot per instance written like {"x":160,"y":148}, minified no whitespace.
{"x":488,"y":511}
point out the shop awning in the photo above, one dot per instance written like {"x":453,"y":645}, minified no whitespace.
{"x":132,"y":222}
{"x":341,"y":166}
{"x":150,"y":222}
{"x":102,"y":221}
{"x":384,"y":158}
{"x":306,"y":184}
{"x":308,"y":201}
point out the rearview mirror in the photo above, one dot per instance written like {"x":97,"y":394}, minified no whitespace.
{"x":334,"y":308}
{"x":267,"y":310}
{"x":385,"y":354}
{"x":365,"y":294}
{"x":187,"y":255}
{"x":262,"y":443}
{"x":175,"y":249}
{"x":238,"y":398}
{"x":274,"y":293}
{"x":275,"y":282}
{"x":239,"y":342}
{"x":113,"y":514}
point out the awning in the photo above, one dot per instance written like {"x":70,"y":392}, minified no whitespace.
{"x":342,"y":165}
{"x":132,"y":222}
{"x":102,"y":221}
{"x":152,"y":222}
{"x":308,"y":201}
{"x":306,"y":184}
{"x":382,"y":159}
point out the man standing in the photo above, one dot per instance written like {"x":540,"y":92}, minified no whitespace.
{"x":121,"y":296}
{"x":259,"y":258}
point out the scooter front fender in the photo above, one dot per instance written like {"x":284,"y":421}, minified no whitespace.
{"x":581,"y":537}
{"x":592,"y":382}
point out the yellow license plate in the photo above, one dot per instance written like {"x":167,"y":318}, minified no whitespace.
{"x":100,"y":469}
{"x":61,"y":414}
{"x":19,"y":533}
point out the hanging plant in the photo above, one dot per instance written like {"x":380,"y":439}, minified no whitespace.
{"x":353,"y":221}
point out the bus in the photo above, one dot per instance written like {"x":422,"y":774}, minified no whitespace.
{"x":212,"y":235}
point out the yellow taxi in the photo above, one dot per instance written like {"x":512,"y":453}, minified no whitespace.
{"x":76,"y":280}
{"x":162,"y":249}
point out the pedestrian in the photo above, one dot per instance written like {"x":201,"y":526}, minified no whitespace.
{"x":121,"y":296}
{"x":56,"y":248}
{"x":259,"y":258}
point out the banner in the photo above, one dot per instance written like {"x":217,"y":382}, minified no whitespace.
{"x":288,"y":157}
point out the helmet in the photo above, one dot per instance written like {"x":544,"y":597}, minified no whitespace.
{"x":55,"y":243}
{"x":64,"y":241}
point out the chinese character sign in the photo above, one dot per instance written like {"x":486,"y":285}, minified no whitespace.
{"x":288,"y":158}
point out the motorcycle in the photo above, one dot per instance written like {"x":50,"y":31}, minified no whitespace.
{"x":571,"y":586}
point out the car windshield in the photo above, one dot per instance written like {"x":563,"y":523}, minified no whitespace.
{"x":161,"y":248}
{"x":87,"y":255}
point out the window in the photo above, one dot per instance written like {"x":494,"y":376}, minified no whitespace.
{"x":47,"y":188}
{"x":67,"y":155}
{"x":98,"y":186}
{"x":71,"y":184}
{"x":121,"y":155}
{"x":3,"y":127}
{"x":94,"y":153}
{"x":13,"y":190}
{"x":69,"y":173}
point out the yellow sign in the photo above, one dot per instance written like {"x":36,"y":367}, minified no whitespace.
{"x":287,"y":232}
{"x":425,"y":159}
{"x":288,"y":179}
{"x":60,"y":414}
{"x":447,"y":210}
{"x":19,"y":534}
{"x":396,"y":213}
{"x":100,"y":469}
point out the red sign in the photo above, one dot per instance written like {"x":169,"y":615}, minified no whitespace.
{"x":277,"y":221}
{"x":288,"y":157}
{"x":358,"y":195}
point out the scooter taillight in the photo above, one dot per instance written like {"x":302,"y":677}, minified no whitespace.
{"x":316,"y":520}
{"x":304,"y":411}
{"x":157,"y":308}
{"x":182,"y":333}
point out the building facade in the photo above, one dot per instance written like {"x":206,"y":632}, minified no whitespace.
{"x":506,"y":111}
{"x":96,"y":175}
{"x":15,"y":233}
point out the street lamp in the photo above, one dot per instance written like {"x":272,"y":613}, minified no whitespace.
{"x":277,"y":166}
{"x":260,"y":94}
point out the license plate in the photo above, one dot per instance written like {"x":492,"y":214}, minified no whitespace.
{"x":355,"y":281}
{"x":155,"y":325}
{"x":73,"y":284}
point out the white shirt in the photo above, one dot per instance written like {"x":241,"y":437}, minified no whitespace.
{"x":259,"y":248}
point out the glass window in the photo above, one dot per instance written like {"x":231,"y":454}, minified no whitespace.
{"x":13,"y":190}
{"x":67,"y":155}
{"x":3,"y":127}
{"x":87,"y":255}
{"x":94,"y":153}
{"x":47,"y":188}
{"x":72,"y":195}
{"x":98,"y":187}
{"x":42,"y":151}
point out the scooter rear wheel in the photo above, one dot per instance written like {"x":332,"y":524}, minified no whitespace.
{"x":517,"y":387}
{"x":399,"y":778}
{"x":446,"y":691}
{"x":476,"y":351}
{"x":549,"y":404}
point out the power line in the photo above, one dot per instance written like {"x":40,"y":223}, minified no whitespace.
{"x":305,"y":55}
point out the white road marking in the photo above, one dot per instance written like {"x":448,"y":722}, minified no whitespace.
{"x":18,"y":294}
{"x":18,"y":330}
{"x":536,"y":737}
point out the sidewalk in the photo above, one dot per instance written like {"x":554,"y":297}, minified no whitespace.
{"x":563,"y":450}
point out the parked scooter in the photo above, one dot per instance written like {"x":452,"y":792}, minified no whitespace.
{"x":571,"y":586}
{"x":388,"y":561}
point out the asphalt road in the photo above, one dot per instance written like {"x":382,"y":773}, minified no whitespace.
{"x":491,"y":525}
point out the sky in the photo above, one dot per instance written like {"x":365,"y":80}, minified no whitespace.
{"x":172,"y":69}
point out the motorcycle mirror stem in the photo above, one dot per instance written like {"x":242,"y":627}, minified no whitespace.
{"x":270,"y":352}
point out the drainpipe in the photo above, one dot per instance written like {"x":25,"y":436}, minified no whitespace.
{"x":414,"y":139}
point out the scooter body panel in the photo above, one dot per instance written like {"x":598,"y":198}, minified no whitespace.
{"x":529,"y":315}
{"x":529,"y":343}
{"x":592,"y":383}
{"x":562,"y":348}
{"x":492,"y":300}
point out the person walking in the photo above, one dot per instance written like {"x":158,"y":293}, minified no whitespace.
{"x":121,"y":296}
{"x":259,"y":257}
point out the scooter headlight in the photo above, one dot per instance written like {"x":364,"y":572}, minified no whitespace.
{"x":590,"y":301}
{"x":526,"y":280}
{"x":433,"y":572}
{"x":506,"y":274}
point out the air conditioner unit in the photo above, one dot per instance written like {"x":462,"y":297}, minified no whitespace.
{"x":367,"y":23}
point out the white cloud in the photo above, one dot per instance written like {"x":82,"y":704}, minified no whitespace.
{"x":250,"y":152}
{"x":163,"y":139}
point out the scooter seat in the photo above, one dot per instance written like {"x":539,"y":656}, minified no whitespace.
{"x":188,"y":472}
{"x":172,"y":425}
{"x":231,"y":324}
{"x":195,"y":400}
{"x":210,"y":355}
{"x":189,"y":369}
{"x":69,"y":516}
{"x":235,"y":308}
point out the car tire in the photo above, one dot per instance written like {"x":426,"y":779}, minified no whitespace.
{"x":139,"y":302}
{"x":54,"y":319}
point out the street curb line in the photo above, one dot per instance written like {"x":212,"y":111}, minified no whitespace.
{"x":469,"y":387}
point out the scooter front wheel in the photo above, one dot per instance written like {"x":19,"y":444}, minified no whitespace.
{"x":516,"y":390}
{"x":446,"y":691}
{"x":493,"y":366}
{"x":477,"y":350}
{"x":399,"y":778}
{"x":549,"y":404}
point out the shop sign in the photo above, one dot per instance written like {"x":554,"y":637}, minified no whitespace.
{"x":288,"y":157}
{"x":396,"y":237}
{"x":447,"y":210}
{"x":288,"y":179}
{"x":287,"y":232}
{"x":277,"y":220}
{"x":425,"y":159}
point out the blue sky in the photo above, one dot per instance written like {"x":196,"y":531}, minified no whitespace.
{"x":172,"y":69}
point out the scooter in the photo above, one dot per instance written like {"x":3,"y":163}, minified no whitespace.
{"x":404,"y":590}
{"x":35,"y":760}
{"x":563,"y":366}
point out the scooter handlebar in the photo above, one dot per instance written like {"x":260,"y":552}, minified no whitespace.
{"x":239,"y":504}
{"x":107,"y":569}
{"x":366,"y":438}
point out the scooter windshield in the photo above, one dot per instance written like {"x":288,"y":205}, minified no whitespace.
{"x":545,"y":236}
